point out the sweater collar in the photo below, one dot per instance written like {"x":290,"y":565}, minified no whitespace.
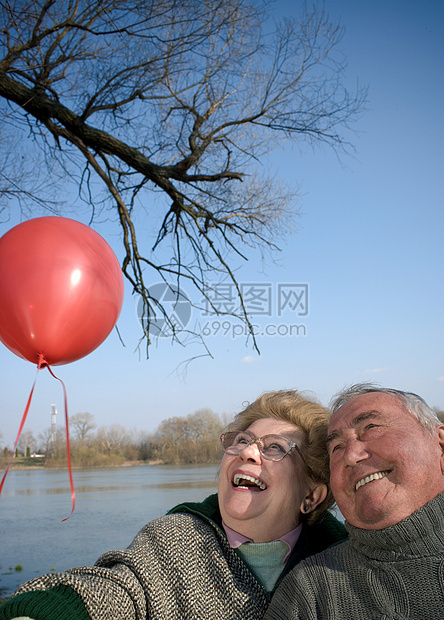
{"x":420,"y":534}
{"x":290,"y":539}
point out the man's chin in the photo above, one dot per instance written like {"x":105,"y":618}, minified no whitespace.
{"x":372,"y":517}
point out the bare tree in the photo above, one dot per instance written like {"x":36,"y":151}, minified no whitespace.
{"x":27,"y":442}
{"x":163,"y":113}
{"x":82,"y":424}
{"x":112,"y":439}
{"x":169,"y":438}
{"x":190,"y":439}
{"x":205,"y":428}
{"x":54,"y":446}
{"x":44,"y":444}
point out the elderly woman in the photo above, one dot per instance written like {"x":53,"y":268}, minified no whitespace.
{"x":222,"y":558}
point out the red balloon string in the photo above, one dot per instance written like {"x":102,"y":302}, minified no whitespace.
{"x":42,"y":364}
{"x":22,"y":424}
{"x":68,"y":451}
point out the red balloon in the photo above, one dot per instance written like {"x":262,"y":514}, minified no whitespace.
{"x":61,"y":290}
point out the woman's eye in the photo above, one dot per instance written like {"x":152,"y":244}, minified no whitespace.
{"x":241,"y":439}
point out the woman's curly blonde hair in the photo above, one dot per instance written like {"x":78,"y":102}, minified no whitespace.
{"x":311,"y":418}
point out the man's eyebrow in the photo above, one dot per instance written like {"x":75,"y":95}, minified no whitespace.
{"x":356,"y":421}
{"x":365,"y":415}
{"x":331,"y":436}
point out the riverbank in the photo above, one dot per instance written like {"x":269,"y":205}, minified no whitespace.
{"x":26,"y":464}
{"x":29,"y":463}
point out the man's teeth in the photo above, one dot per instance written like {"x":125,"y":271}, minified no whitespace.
{"x":238,"y":477}
{"x":379,"y":474}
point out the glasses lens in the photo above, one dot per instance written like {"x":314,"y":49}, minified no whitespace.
{"x":234,"y":442}
{"x":272,"y":447}
{"x":275,"y":447}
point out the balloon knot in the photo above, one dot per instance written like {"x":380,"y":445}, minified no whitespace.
{"x":42,"y":363}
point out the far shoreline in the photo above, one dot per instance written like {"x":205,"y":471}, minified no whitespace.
{"x":64,"y":466}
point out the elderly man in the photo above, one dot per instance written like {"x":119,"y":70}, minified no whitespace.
{"x":387,"y":475}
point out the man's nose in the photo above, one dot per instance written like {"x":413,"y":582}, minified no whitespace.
{"x":354,"y":452}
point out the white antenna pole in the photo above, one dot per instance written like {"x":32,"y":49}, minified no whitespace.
{"x":53,"y":424}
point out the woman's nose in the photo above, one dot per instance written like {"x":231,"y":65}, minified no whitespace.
{"x":251,"y":451}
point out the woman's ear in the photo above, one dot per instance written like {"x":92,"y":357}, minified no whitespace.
{"x":315,"y":497}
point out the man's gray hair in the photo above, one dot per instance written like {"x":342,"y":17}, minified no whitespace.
{"x":413,"y":403}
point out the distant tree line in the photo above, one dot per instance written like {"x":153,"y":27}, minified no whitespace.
{"x":190,"y":439}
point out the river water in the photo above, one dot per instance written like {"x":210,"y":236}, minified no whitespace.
{"x":112,"y":505}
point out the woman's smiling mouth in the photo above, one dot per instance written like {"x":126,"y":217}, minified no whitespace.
{"x":245,"y":481}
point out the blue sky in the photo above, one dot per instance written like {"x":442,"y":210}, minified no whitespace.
{"x":368,"y":244}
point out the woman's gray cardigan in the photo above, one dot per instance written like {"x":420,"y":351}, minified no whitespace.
{"x":178,"y":567}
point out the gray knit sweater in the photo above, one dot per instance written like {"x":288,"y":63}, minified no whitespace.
{"x":390,"y":574}
{"x":179,"y":567}
{"x":201,"y":578}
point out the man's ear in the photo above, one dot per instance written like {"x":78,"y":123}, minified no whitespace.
{"x":313,"y":498}
{"x":441,"y":443}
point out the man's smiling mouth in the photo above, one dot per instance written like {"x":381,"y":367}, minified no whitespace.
{"x":244,"y":481}
{"x":376,"y":476}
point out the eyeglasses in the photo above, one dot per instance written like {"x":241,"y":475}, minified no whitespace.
{"x":272,"y":447}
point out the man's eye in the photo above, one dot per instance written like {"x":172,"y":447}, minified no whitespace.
{"x":369,"y":427}
{"x":334,"y":448}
